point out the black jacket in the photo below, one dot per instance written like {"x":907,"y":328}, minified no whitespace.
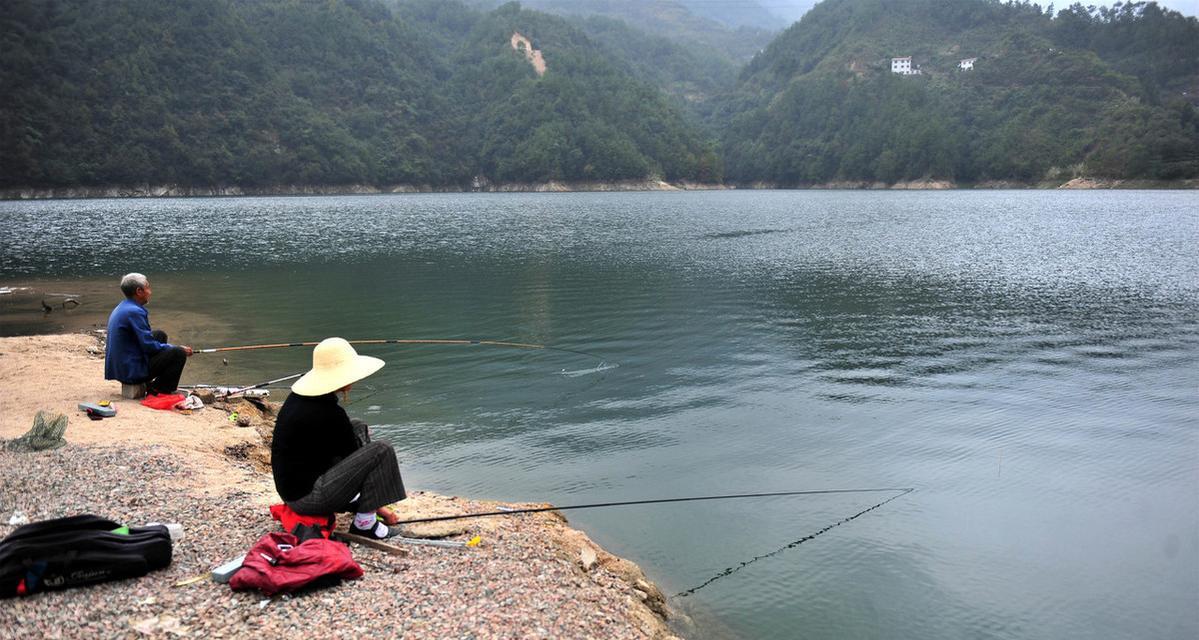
{"x":312,"y":433}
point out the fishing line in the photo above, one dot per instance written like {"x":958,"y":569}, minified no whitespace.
{"x":373,"y":392}
{"x":731,"y":570}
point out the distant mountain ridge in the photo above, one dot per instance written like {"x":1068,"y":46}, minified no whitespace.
{"x":1097,"y":92}
{"x":225,"y":96}
{"x":676,"y":20}
{"x":737,"y":13}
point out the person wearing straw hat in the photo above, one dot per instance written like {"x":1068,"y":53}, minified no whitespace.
{"x":322,"y":461}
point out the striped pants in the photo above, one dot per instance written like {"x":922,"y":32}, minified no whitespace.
{"x":372,"y":472}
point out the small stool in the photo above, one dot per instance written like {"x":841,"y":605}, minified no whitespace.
{"x":133,"y":391}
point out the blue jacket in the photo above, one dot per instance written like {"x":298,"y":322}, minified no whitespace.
{"x":130,"y":345}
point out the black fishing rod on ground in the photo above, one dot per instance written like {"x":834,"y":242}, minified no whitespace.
{"x":595,"y":505}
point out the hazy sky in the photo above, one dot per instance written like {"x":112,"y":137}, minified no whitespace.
{"x":792,"y":9}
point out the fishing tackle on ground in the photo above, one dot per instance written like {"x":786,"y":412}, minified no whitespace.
{"x":221,"y":391}
{"x":229,"y":392}
{"x":225,"y":391}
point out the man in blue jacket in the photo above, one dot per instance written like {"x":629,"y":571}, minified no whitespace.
{"x":135,"y":354}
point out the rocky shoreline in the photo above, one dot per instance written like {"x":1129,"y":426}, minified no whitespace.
{"x":180,"y":191}
{"x":532,"y":577}
{"x":483,"y":186}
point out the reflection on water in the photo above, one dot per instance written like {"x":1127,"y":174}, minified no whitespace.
{"x":1027,"y":361}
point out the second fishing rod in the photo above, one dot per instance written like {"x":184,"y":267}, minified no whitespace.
{"x":468,"y":342}
{"x":464,"y":342}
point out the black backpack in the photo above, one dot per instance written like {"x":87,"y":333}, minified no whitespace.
{"x":78,"y":550}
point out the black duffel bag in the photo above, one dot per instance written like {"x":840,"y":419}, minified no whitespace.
{"x":78,"y":550}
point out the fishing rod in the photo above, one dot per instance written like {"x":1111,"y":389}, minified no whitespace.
{"x":466,"y":342}
{"x":283,"y":345}
{"x":594,"y":505}
{"x":899,"y":493}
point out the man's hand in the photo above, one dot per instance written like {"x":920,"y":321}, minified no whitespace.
{"x":186,"y":349}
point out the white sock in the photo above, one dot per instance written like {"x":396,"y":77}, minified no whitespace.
{"x":365,"y":520}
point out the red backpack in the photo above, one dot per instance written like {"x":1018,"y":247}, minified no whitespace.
{"x":279,"y":563}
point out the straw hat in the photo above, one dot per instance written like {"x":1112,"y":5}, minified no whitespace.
{"x":334,"y":365}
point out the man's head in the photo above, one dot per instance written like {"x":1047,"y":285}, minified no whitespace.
{"x":136,"y":287}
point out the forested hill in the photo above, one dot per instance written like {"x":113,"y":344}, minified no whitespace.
{"x":1083,"y":92}
{"x":301,"y":92}
{"x":270,"y":93}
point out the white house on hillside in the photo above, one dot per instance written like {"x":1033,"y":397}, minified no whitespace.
{"x":903,"y":66}
{"x":966,"y":64}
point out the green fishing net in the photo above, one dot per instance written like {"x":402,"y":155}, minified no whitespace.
{"x":46,"y":434}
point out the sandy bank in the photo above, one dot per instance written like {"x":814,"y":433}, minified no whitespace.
{"x":532,"y":577}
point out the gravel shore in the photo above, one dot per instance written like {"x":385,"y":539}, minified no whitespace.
{"x":532,"y":577}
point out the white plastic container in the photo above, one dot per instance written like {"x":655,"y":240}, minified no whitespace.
{"x":174,"y":528}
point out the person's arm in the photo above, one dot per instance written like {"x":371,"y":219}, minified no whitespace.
{"x":342,"y":438}
{"x":362,"y":432}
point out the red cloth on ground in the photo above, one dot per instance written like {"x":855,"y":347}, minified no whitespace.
{"x":290,"y":519}
{"x":162,"y":401}
{"x":278,"y":563}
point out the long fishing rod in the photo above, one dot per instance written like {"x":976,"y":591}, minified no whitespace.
{"x":594,"y":505}
{"x":899,"y":493}
{"x":409,"y":341}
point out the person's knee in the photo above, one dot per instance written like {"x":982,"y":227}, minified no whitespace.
{"x":379,"y":449}
{"x":382,"y":453}
{"x":178,"y":354}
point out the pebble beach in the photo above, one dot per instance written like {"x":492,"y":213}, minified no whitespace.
{"x":532,"y":576}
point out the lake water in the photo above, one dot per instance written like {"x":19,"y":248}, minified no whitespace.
{"x":1027,"y":361}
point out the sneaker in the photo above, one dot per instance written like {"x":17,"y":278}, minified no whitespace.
{"x":378,"y":531}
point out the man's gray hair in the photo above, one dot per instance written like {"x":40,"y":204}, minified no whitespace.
{"x":132,"y":282}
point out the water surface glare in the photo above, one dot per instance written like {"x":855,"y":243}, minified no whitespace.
{"x":1029,"y":361}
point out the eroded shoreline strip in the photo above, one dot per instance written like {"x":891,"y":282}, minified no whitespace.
{"x":533,"y":576}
